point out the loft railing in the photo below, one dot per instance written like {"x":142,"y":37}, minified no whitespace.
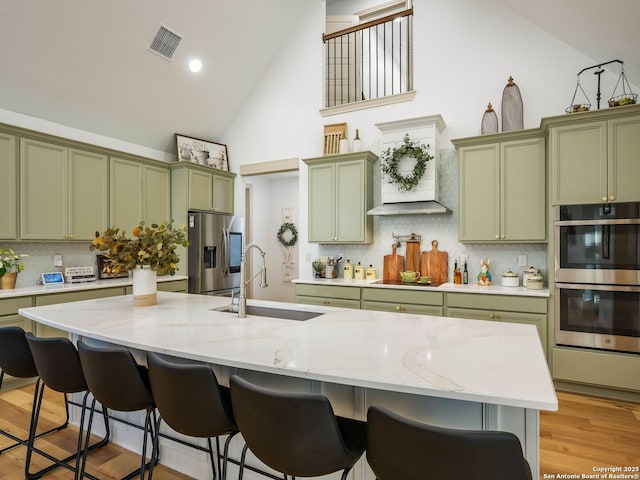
{"x":370,"y":60}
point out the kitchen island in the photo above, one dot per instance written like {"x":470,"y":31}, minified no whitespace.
{"x":446,"y":371}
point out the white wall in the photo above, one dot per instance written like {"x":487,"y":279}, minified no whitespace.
{"x":464,"y":52}
{"x":271,"y":195}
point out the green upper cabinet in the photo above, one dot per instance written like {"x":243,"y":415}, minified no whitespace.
{"x":502,"y":188}
{"x":594,"y":157}
{"x":340,"y":194}
{"x":156,"y":193}
{"x":623,"y":169}
{"x":139,"y":191}
{"x":8,"y":187}
{"x":195,"y":187}
{"x":73,"y":184}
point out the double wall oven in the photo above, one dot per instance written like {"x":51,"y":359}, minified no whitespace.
{"x":597,"y":276}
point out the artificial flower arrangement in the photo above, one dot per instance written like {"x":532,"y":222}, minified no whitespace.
{"x":153,"y":246}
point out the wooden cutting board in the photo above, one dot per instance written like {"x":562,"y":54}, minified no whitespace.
{"x":393,"y":265}
{"x":435,"y":264}
{"x":413,"y":255}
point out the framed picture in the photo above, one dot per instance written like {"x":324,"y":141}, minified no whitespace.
{"x":202,"y":152}
{"x":104,"y":269}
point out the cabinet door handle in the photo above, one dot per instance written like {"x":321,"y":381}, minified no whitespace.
{"x":326,"y":302}
{"x":502,"y":236}
{"x":497,"y":237}
{"x":398,"y":308}
{"x":612,"y":198}
{"x":491,"y":316}
{"x":497,"y":316}
{"x":604,"y":199}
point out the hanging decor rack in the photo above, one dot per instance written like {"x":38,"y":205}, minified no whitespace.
{"x":624,"y":98}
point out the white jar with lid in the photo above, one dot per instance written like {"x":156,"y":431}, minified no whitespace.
{"x":528,"y":273}
{"x":510,"y":279}
{"x":535,"y":282}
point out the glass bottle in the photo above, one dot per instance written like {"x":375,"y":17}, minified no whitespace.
{"x":356,"y":145}
{"x":457,"y":275}
{"x":465,"y":274}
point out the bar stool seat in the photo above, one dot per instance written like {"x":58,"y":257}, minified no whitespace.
{"x":296,"y":434}
{"x":402,"y":449}
{"x":58,"y":365}
{"x":118,"y":383}
{"x":16,"y":360}
{"x":190,"y":400}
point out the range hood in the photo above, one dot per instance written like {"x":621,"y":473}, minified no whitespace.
{"x":409,"y":208}
{"x":423,"y":199}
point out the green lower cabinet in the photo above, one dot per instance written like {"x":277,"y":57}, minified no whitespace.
{"x":601,"y":369}
{"x":326,"y":295}
{"x":403,"y":301}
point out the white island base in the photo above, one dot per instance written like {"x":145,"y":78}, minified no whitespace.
{"x":466,"y":374}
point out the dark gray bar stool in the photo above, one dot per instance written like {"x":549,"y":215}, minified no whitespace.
{"x":402,"y":449}
{"x":190,"y":400}
{"x":296,"y":434}
{"x":16,"y":360}
{"x":118,"y":383}
{"x":58,"y":365}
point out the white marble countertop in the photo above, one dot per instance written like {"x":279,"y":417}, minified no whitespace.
{"x":73,"y":287}
{"x":472,"y":360}
{"x":445,"y":287}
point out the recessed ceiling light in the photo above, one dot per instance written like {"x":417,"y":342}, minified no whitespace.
{"x":195,"y":65}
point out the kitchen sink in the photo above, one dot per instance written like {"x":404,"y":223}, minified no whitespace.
{"x":283,"y":313}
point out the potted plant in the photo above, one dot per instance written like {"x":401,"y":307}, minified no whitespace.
{"x":151,"y":251}
{"x":11,"y":263}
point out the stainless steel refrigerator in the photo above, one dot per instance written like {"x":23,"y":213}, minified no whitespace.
{"x":214,"y":253}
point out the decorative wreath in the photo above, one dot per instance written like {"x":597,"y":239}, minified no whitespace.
{"x":293,"y":234}
{"x":391,"y":159}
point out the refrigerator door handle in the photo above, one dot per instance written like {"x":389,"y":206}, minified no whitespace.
{"x":225,"y":252}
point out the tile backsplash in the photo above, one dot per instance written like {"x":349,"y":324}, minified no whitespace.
{"x":40,"y":258}
{"x":444,"y":229}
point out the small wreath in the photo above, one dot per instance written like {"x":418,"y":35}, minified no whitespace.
{"x":292,"y":237}
{"x":391,"y":158}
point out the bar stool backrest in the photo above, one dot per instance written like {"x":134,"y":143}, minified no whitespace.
{"x":401,"y":449}
{"x":293,"y":433}
{"x":15,"y":355}
{"x":114,"y":378}
{"x":189,"y":398}
{"x":58,"y":363}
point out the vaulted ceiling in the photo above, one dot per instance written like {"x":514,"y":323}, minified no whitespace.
{"x":86,"y":64}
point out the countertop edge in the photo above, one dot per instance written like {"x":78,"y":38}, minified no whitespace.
{"x":445,"y":287}
{"x":75,"y":287}
{"x":168,"y":299}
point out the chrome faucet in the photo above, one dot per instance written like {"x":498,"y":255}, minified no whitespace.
{"x":242,"y":297}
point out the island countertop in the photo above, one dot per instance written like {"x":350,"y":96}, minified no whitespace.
{"x":471,"y":360}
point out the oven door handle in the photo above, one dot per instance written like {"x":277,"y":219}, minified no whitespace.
{"x":617,"y":221}
{"x":606,"y":241}
{"x":600,"y":287}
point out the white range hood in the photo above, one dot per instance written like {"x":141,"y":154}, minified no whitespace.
{"x":423,"y":199}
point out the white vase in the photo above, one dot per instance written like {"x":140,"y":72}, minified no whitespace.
{"x":145,"y":287}
{"x":344,"y":145}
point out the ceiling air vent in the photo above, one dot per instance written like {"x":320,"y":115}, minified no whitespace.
{"x":165,"y":42}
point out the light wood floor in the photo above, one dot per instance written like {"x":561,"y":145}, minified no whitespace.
{"x":584,"y":433}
